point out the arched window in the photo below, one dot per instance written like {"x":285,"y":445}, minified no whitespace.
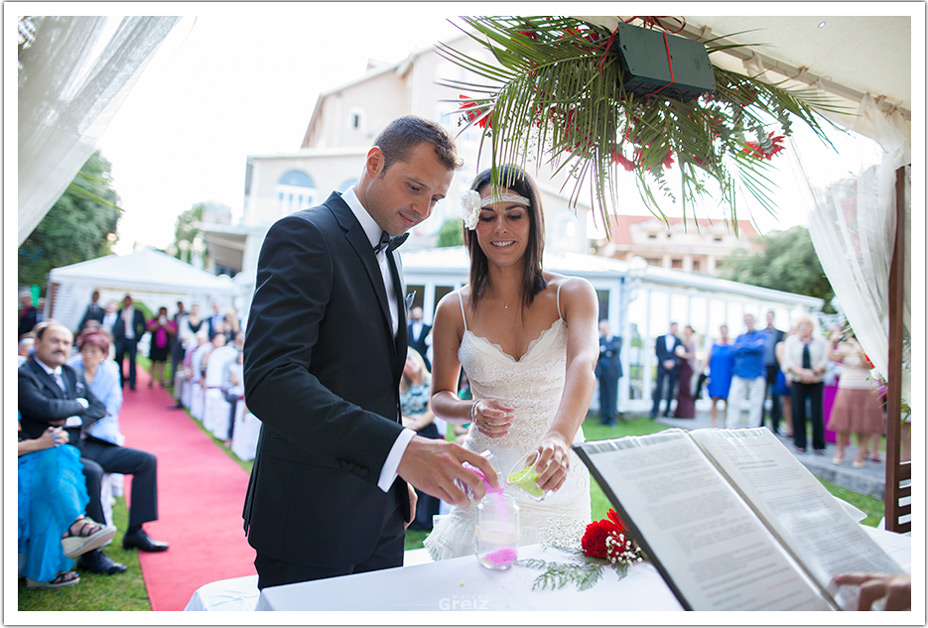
{"x":347,"y":183}
{"x":295,"y":190}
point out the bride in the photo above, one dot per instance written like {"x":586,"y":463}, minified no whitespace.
{"x":528,"y":341}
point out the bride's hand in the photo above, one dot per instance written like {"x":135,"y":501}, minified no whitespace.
{"x":554,"y":459}
{"x":493,"y":417}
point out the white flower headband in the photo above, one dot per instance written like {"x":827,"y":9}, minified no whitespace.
{"x":471,"y":204}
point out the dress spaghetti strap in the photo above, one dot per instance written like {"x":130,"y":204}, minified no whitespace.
{"x":461,"y":301}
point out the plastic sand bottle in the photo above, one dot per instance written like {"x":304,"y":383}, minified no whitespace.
{"x":497,"y":531}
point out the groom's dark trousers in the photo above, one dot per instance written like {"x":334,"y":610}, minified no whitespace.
{"x":322,"y":370}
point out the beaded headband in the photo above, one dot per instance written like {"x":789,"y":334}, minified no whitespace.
{"x":505,"y":197}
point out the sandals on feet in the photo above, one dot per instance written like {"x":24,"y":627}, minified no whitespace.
{"x":90,"y":535}
{"x":859,"y":464}
{"x":63,"y":580}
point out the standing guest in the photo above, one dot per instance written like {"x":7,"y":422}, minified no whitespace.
{"x":608,"y":371}
{"x":324,"y":351}
{"x":720,"y":361}
{"x":192,"y":323}
{"x":177,"y":342}
{"x":857,"y":406}
{"x":782,"y":387}
{"x":127,"y":331}
{"x":748,"y":375}
{"x":94,"y":312}
{"x":772,"y":368}
{"x":232,"y":325}
{"x":40,"y":310}
{"x":163,"y":332}
{"x":27,"y":313}
{"x":110,"y":316}
{"x":101,"y":444}
{"x":686,"y":404}
{"x":806,"y":359}
{"x":52,"y":393}
{"x":418,"y":416}
{"x":216,"y":321}
{"x":668,"y":366}
{"x":419,"y":335}
{"x":52,"y":496}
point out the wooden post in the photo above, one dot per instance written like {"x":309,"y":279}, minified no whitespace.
{"x":897,"y":472}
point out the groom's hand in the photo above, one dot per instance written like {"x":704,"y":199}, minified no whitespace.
{"x":413,"y":501}
{"x":433,"y":465}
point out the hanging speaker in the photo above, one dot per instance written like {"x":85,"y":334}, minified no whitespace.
{"x":658,"y":63}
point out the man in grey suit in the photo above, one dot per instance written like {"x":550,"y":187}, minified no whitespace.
{"x":324,"y":352}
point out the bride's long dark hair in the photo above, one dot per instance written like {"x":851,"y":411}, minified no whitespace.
{"x":533,"y":280}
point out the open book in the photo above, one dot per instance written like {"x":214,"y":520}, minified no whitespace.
{"x":731,"y":519}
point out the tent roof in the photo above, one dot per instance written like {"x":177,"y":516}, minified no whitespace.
{"x":147,"y":270}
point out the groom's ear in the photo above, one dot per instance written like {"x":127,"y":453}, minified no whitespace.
{"x":374,"y":163}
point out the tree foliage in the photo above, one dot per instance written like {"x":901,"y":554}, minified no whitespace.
{"x":75,"y":229}
{"x":186,"y":231}
{"x":788,"y":262}
{"x":450,"y":233}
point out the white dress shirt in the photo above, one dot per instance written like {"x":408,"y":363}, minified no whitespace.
{"x":372,"y":230}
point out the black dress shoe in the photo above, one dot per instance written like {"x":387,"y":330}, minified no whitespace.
{"x":176,"y":406}
{"x":142,"y":541}
{"x":98,"y":562}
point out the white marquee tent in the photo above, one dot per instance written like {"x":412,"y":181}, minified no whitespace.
{"x":149,"y":276}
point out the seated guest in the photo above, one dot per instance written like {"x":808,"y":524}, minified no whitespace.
{"x":417,"y":415}
{"x":101,"y":443}
{"x":51,"y":393}
{"x":24,"y":350}
{"x":232,"y":386}
{"x":52,"y":497}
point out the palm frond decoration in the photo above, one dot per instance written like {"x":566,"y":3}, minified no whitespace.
{"x":556,"y":93}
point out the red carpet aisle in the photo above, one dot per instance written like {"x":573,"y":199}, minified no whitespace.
{"x":200,"y":496}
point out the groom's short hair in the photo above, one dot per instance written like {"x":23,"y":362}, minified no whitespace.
{"x":403,"y":134}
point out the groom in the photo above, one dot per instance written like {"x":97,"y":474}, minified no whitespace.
{"x":324,"y":352}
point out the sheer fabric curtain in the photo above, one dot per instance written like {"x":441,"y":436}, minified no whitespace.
{"x":852,"y":223}
{"x":72,"y":80}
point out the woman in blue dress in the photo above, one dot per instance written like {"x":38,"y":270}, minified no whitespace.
{"x":719,"y":359}
{"x":52,"y":497}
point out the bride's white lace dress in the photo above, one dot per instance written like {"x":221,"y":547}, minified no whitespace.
{"x":532,"y":385}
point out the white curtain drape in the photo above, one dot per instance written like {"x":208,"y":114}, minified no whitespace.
{"x":852,"y":226}
{"x":73,"y":78}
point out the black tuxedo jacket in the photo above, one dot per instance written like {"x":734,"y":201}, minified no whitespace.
{"x":660,"y":348}
{"x":322,"y":371}
{"x":93,"y":313}
{"x":610,"y":362}
{"x":138,"y":325}
{"x":43,"y":403}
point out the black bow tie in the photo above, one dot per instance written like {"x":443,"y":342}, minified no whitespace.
{"x":389,"y":243}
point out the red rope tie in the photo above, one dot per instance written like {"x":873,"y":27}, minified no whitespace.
{"x":669,"y":64}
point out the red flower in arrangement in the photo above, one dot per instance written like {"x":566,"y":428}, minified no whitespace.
{"x":617,"y":520}
{"x":666,"y":162}
{"x":622,"y":160}
{"x":869,"y":362}
{"x":765,"y":150}
{"x":594,"y":539}
{"x":472,"y":113}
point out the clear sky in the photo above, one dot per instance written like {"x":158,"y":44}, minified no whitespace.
{"x":236,"y":81}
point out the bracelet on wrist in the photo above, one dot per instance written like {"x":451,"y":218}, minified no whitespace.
{"x":473,"y":411}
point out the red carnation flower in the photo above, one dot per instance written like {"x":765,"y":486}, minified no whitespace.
{"x":594,"y":539}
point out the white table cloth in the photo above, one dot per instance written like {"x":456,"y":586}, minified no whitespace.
{"x":461,"y":584}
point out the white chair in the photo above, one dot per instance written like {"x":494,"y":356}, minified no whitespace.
{"x":215,"y":407}
{"x":245,"y":434}
{"x":197,"y":396}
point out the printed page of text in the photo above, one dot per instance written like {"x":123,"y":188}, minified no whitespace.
{"x":794,"y":503}
{"x":717,"y":552}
